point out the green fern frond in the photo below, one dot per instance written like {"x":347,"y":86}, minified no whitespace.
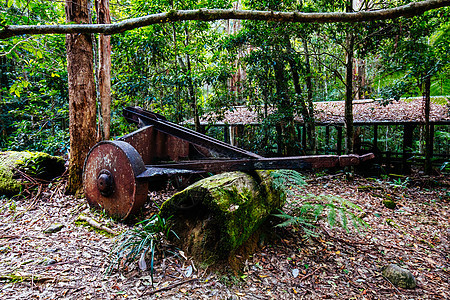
{"x":331,"y":215}
{"x":344,"y":220}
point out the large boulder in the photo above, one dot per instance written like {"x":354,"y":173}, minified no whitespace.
{"x":34,"y":164}
{"x":216,"y":216}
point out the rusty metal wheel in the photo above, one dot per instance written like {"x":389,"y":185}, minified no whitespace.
{"x":110,"y":181}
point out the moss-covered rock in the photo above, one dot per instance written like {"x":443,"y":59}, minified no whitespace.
{"x":391,"y":204}
{"x":217,"y":215}
{"x":34,"y":164}
{"x":399,"y":277}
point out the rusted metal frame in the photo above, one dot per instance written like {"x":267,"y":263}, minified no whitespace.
{"x":296,"y":162}
{"x":162,"y":171}
{"x":133,"y":114}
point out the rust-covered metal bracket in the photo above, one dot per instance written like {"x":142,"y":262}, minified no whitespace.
{"x":117,"y":173}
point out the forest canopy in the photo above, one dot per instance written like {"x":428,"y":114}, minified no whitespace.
{"x":185,"y":68}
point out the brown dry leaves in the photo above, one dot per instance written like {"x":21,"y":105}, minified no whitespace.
{"x":72,"y":263}
{"x":410,"y":110}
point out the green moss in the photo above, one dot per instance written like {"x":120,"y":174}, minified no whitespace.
{"x":389,"y":203}
{"x":231,"y":207}
{"x":90,"y":228}
{"x":35,"y":164}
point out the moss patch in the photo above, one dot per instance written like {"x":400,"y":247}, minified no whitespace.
{"x":35,"y":164}
{"x":90,"y":228}
{"x":217,"y":215}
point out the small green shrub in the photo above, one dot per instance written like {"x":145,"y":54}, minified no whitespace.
{"x":145,"y":237}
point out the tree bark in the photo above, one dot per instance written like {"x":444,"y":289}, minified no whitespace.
{"x":307,"y":109}
{"x":428,"y":137}
{"x":104,"y":70}
{"x":409,"y":10}
{"x":82,"y":104}
{"x":191,"y":89}
{"x":310,"y":123}
{"x":348,"y":114}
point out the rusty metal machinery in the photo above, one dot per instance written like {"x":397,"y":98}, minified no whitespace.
{"x":117,"y":173}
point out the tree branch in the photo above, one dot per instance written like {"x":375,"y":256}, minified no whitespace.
{"x":409,"y":10}
{"x":17,"y":44}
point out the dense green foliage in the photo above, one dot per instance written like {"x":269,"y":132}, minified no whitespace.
{"x":186,"y":69}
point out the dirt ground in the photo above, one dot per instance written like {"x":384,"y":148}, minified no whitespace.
{"x":72,"y":263}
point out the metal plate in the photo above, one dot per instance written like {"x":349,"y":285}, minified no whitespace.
{"x":110,"y":182}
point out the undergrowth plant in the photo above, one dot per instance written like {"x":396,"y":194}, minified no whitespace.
{"x":145,"y":237}
{"x":308,"y":209}
{"x":287,"y":180}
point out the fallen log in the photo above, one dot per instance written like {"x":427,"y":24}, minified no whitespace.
{"x":216,"y":216}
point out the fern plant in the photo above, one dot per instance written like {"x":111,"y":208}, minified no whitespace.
{"x":337,"y":211}
{"x":287,"y":180}
{"x":309,"y":209}
{"x":136,"y":242}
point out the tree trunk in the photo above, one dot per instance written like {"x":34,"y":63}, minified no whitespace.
{"x":104,"y":70}
{"x":286,"y":130}
{"x":82,"y":106}
{"x":216,"y":216}
{"x":428,"y":137}
{"x":310,"y":123}
{"x":191,"y":89}
{"x":211,"y":15}
{"x":307,"y":109}
{"x":349,"y":90}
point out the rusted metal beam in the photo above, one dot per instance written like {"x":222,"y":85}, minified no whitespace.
{"x":138,"y":115}
{"x":295,"y":162}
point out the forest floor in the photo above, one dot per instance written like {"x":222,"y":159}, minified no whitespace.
{"x":72,"y":263}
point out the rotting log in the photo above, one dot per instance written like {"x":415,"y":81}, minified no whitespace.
{"x":216,"y":216}
{"x":17,"y":168}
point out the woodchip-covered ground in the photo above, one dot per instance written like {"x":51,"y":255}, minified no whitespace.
{"x":72,"y":263}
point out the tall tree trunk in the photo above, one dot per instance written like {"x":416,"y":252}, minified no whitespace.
{"x":428,"y":137}
{"x":179,"y":106}
{"x":82,"y":108}
{"x":348,"y":114}
{"x":305,"y":106}
{"x":191,"y":89}
{"x":104,"y":70}
{"x":311,"y":122}
{"x":286,"y":131}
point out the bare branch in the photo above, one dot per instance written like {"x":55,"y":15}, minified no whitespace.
{"x":17,"y":44}
{"x":409,"y":10}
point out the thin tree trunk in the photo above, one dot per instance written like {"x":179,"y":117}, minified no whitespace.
{"x":428,"y":138}
{"x":179,"y":106}
{"x":82,"y":108}
{"x":310,"y":123}
{"x":348,"y":114}
{"x":298,"y":89}
{"x":191,"y":90}
{"x":285,"y":130}
{"x":104,"y":70}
